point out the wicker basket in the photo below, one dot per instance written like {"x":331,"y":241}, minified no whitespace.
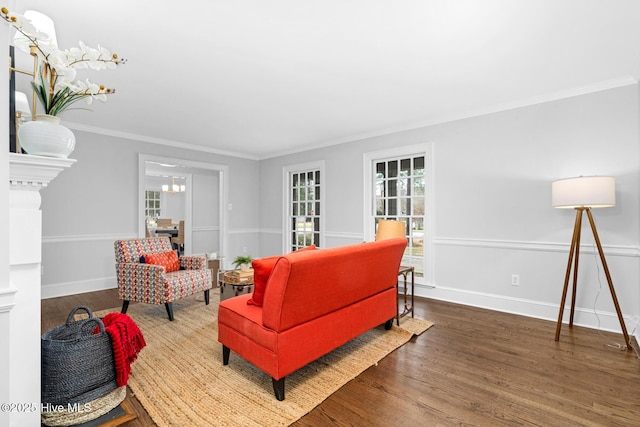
{"x":77,"y":365}
{"x":74,"y":415}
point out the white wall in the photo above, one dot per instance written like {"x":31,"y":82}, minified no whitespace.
{"x":206,"y":217}
{"x":96,"y":202}
{"x":174,"y":206}
{"x":492,"y":203}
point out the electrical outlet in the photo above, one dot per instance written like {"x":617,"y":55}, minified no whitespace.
{"x":515,"y":280}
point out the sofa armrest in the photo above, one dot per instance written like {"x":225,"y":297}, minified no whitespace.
{"x":193,"y":262}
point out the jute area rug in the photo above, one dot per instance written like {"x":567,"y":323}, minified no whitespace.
{"x":180,"y":380}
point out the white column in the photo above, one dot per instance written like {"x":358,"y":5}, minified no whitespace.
{"x":27,"y":175}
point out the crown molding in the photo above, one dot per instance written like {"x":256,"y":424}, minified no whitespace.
{"x":153,"y":140}
{"x":460,"y":115}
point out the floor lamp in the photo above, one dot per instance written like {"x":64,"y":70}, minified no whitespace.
{"x":582,"y":194}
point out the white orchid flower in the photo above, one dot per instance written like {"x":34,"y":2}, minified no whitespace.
{"x":66,"y":76}
{"x":107,"y":59}
{"x":57,"y":59}
{"x":56,"y":85}
{"x":93,"y":88}
{"x":101,"y":97}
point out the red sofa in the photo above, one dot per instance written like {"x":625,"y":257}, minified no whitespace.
{"x":314,"y":302}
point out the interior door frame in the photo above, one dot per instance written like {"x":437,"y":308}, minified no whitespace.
{"x":223,"y":190}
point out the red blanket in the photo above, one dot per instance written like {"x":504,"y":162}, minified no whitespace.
{"x":127,"y":341}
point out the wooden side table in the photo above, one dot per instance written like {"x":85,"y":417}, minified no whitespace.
{"x":404,"y":271}
{"x":237,"y":284}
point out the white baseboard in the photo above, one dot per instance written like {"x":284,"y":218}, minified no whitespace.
{"x":79,"y":287}
{"x":606,"y":321}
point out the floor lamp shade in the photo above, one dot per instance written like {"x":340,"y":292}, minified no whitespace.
{"x":389,"y":229}
{"x":584,"y":191}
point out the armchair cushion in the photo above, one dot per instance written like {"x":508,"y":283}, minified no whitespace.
{"x":169,"y":260}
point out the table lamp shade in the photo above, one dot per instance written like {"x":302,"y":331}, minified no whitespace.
{"x":389,"y":229}
{"x":584,"y":191}
{"x":46,"y":32}
{"x":22,"y":104}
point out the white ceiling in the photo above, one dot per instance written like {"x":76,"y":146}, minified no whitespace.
{"x":258,"y":78}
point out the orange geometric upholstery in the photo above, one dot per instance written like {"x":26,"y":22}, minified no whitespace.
{"x":152,"y":284}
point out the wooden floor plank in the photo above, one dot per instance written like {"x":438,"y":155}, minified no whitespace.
{"x":474,"y":367}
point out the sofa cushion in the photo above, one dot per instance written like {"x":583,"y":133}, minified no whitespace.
{"x":261,"y":271}
{"x":169,"y":260}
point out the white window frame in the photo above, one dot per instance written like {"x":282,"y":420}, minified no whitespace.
{"x":159,"y":199}
{"x":369,"y":159}
{"x":286,"y":205}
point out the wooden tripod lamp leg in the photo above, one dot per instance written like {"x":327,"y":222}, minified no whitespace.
{"x":578,"y":232}
{"x":575,"y":241}
{"x":609,"y":281}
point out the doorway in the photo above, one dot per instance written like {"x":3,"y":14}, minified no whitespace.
{"x":197,"y":191}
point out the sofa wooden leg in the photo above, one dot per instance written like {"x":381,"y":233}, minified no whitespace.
{"x":125,"y":306}
{"x":225,"y":355}
{"x":206,"y":297}
{"x":278,"y":387}
{"x":388,"y":324}
{"x":169,"y":307}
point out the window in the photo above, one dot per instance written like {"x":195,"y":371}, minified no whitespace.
{"x":151,"y":204}
{"x":399,"y":194}
{"x":304,"y":207}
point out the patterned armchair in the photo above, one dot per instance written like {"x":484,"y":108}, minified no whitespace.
{"x":152,"y":284}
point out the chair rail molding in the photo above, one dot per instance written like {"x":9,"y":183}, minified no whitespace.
{"x":613,"y":250}
{"x":27,"y":176}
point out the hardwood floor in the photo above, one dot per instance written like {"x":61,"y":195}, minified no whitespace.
{"x":475,"y":367}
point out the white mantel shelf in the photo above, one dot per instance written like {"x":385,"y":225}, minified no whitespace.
{"x":29,"y":172}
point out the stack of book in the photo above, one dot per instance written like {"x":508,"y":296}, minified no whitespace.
{"x":240,"y":276}
{"x":243,"y":273}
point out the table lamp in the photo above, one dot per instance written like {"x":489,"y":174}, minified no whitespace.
{"x":583,"y":194}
